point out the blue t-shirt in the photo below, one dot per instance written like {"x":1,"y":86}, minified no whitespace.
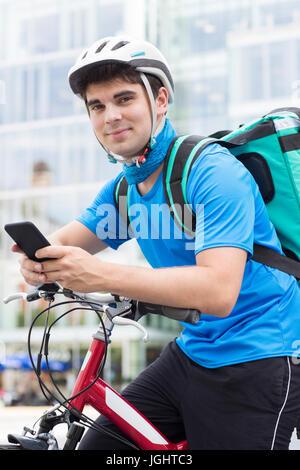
{"x":230,"y":212}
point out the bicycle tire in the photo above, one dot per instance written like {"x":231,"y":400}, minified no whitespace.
{"x":10,"y":447}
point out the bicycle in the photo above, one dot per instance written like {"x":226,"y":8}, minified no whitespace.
{"x":90,"y":388}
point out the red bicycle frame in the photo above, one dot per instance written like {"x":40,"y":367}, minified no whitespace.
{"x":111,"y":404}
{"x":89,"y":388}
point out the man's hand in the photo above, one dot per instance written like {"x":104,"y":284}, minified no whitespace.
{"x":30,"y":270}
{"x":72,"y":267}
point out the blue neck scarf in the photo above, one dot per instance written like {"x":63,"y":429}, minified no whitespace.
{"x":155,"y":157}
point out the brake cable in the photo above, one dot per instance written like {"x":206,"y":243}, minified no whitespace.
{"x":87,"y":421}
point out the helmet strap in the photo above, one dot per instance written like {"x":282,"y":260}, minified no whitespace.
{"x":153,"y":107}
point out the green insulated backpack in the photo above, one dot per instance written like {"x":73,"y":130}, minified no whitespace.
{"x":269,"y":148}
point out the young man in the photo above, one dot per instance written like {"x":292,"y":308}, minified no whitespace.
{"x":230,"y":381}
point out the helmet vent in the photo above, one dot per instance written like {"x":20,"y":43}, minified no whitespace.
{"x":101,"y":46}
{"x":84,"y":55}
{"x":119,"y":45}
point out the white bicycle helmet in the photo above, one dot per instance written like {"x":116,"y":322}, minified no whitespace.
{"x":141,"y":55}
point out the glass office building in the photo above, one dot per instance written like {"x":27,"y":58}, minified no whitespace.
{"x":232,"y":60}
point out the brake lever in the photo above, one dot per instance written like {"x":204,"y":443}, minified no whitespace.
{"x":126,"y":321}
{"x":113,"y":312}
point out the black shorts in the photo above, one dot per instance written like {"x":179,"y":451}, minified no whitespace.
{"x":250,"y":406}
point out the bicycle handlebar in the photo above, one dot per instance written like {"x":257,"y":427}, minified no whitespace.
{"x":186,"y":315}
{"x":18,"y":295}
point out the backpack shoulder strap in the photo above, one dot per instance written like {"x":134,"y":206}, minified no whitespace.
{"x":120,"y":191}
{"x":182,"y":153}
{"x":273,"y":259}
{"x":178,"y":159}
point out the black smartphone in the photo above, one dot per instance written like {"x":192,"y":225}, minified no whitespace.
{"x":28,"y":238}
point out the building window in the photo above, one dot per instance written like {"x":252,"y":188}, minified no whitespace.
{"x":249,"y":74}
{"x":78,"y":28}
{"x":40,"y":34}
{"x":60,"y":97}
{"x":280,"y":71}
{"x":110,"y":18}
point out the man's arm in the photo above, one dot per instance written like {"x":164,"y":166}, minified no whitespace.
{"x":212,"y":286}
{"x":77,"y":234}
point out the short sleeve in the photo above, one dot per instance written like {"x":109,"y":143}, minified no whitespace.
{"x":220,"y":190}
{"x":102,"y":217}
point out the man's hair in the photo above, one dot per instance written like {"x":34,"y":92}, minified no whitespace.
{"x":113,"y":71}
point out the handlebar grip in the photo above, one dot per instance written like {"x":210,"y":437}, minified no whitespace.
{"x":186,"y":315}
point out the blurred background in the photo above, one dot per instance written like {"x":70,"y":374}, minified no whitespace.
{"x":232,"y":61}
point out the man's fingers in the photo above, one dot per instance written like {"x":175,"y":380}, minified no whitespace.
{"x":30,"y":266}
{"x":51,"y":252}
{"x":33,"y":278}
{"x":16,"y":249}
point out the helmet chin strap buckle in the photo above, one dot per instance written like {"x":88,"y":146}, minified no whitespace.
{"x":138,"y":160}
{"x":152,"y":141}
{"x":111,"y":159}
{"x":142,"y":158}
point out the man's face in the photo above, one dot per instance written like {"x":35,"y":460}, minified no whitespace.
{"x":120,"y":115}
